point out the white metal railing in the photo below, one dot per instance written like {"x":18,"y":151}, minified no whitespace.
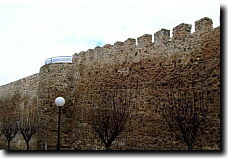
{"x":59,"y":59}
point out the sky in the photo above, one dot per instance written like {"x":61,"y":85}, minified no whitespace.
{"x":32,"y":31}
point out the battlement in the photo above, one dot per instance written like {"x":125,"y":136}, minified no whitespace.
{"x":145,"y":43}
{"x":107,"y":46}
{"x":130,"y":43}
{"x":118,"y":46}
{"x":161,"y":37}
{"x":204,"y":24}
{"x":181,"y":31}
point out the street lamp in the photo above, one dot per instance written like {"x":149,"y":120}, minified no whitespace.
{"x":59,"y":101}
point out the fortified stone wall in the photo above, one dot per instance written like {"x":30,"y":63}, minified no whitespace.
{"x":146,"y":70}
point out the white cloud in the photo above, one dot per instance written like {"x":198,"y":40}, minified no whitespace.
{"x":31,"y":31}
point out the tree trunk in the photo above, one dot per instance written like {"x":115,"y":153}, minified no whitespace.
{"x":107,"y":146}
{"x":8,"y":146}
{"x":27,"y":145}
{"x":189,"y":146}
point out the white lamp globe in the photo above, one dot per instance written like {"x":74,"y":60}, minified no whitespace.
{"x":59,"y":101}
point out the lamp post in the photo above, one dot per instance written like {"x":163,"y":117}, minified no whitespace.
{"x":59,"y":101}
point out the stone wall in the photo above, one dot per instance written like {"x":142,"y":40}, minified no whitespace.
{"x":146,"y":70}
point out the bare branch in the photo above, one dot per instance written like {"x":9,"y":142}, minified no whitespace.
{"x":185,"y":113}
{"x":28,"y":121}
{"x":108,"y":118}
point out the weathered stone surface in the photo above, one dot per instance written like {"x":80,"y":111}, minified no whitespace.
{"x":146,"y":71}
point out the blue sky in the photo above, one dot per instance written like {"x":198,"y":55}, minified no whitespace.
{"x":32,"y":31}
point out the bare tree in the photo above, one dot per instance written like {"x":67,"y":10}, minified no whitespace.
{"x":9,"y":130}
{"x":109,"y":117}
{"x":28,"y":121}
{"x":9,"y":120}
{"x":185,"y":114}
